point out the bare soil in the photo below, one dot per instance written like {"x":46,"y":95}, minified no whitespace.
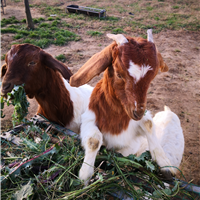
{"x":179,"y":88}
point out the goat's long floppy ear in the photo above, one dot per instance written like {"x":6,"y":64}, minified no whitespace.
{"x":3,"y":70}
{"x":54,"y":64}
{"x":162,"y":65}
{"x":94,"y":66}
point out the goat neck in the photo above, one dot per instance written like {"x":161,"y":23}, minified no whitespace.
{"x":54,"y":100}
{"x":110,"y":115}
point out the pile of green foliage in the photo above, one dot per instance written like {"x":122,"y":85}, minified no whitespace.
{"x":46,"y":170}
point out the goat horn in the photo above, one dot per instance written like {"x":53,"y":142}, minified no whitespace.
{"x":150,"y":35}
{"x":119,"y":38}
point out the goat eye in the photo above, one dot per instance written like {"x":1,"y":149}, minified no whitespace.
{"x":31,"y":63}
{"x":119,"y":75}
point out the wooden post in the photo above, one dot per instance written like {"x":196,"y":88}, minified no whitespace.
{"x":29,"y":20}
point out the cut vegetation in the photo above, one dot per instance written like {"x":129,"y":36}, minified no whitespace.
{"x":39,"y":169}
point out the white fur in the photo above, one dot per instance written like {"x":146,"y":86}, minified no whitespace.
{"x":119,"y":38}
{"x":164,"y":140}
{"x":138,"y":72}
{"x":80,"y":97}
{"x":170,"y":134}
{"x":89,"y":130}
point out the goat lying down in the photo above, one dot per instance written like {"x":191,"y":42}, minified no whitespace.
{"x":40,"y":72}
{"x":115,"y":116}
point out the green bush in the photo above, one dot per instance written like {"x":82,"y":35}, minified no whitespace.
{"x":61,"y":58}
{"x":18,"y":36}
{"x":41,"y":19}
{"x":55,"y":23}
{"x":23,"y":32}
{"x":35,"y":21}
{"x":94,"y":33}
{"x":117,"y":31}
{"x":110,"y":18}
{"x":54,"y":28}
{"x":9,"y":30}
{"x":10,"y":20}
{"x":43,"y":35}
{"x":60,"y":40}
{"x":42,"y":43}
{"x":43,"y":24}
{"x":23,"y":20}
{"x":34,"y":35}
{"x":3,"y":57}
{"x":27,"y":40}
{"x":50,"y":18}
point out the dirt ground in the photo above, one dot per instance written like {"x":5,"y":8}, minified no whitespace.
{"x":179,"y":88}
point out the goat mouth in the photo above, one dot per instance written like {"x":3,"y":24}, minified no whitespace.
{"x":136,"y":117}
{"x":133,"y":115}
{"x":6,"y":88}
{"x":4,"y":93}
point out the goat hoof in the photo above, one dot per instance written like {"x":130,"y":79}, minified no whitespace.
{"x":86,"y":173}
{"x":166,"y":174}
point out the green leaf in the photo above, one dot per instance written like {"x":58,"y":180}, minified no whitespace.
{"x":160,"y":193}
{"x":2,"y":116}
{"x":45,"y":137}
{"x":175,"y":187}
{"x":157,"y":194}
{"x":74,"y":182}
{"x":33,"y":128}
{"x":126,"y":161}
{"x":149,"y":165}
{"x":144,"y":156}
{"x":25,"y":192}
{"x":2,"y":102}
{"x":30,"y":144}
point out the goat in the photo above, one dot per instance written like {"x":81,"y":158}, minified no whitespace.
{"x":115,"y":116}
{"x":40,"y":72}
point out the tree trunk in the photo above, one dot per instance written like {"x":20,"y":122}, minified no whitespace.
{"x":29,"y":20}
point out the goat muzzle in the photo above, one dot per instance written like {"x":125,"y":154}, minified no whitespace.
{"x":139,"y":111}
{"x":138,"y":115}
{"x":5,"y":88}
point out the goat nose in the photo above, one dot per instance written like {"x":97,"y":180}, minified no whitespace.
{"x":138,"y":114}
{"x":5,"y":87}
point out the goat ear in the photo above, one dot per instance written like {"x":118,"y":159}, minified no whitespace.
{"x":150,"y":35}
{"x":54,"y":64}
{"x":93,"y":67}
{"x":162,"y":65}
{"x":119,"y":38}
{"x":3,"y":69}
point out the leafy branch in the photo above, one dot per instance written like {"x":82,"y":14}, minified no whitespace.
{"x":17,"y":98}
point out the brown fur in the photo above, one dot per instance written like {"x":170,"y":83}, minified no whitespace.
{"x":39,"y":71}
{"x":113,"y":99}
{"x":163,"y":66}
{"x":107,"y":107}
{"x":94,"y":66}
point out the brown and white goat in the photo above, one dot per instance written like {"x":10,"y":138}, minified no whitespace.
{"x":115,"y":116}
{"x":40,"y":72}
